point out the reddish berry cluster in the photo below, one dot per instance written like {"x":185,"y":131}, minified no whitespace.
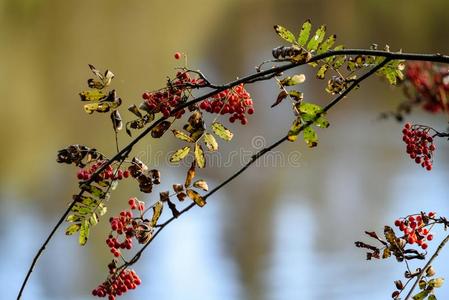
{"x":108,"y":173}
{"x":125,"y":225}
{"x":414,"y":229}
{"x":420,"y":145}
{"x":430,"y":83}
{"x":117,"y":284}
{"x":236,"y":101}
{"x":165,"y":100}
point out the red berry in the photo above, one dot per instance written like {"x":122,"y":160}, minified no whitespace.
{"x":177,"y":55}
{"x":397,"y":223}
{"x":424,"y":246}
{"x":430,"y":237}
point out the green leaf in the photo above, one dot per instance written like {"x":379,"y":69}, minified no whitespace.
{"x":310,"y":137}
{"x":157,"y":212}
{"x":309,"y":108}
{"x":199,"y":156}
{"x":322,"y":121}
{"x":327,"y":44}
{"x":94,"y":191}
{"x":317,"y":38}
{"x":84,"y":233}
{"x":182,"y":136}
{"x":93,"y":220}
{"x":432,"y":297}
{"x":322,"y":71}
{"x":92,"y":95}
{"x":201,"y":184}
{"x":100,"y":107}
{"x":293,"y":80}
{"x":211,"y":143}
{"x":221,"y":131}
{"x":285,"y":34}
{"x":304,"y":33}
{"x":73,"y":218}
{"x":196,"y":197}
{"x":421,"y":295}
{"x":295,"y":95}
{"x":180,"y":154}
{"x":295,"y":129}
{"x":72,"y":229}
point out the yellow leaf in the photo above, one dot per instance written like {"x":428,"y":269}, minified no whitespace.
{"x":190,"y":175}
{"x":72,"y":229}
{"x":84,"y":233}
{"x":222,"y":131}
{"x":210,"y":141}
{"x":182,"y":136}
{"x":199,"y":156}
{"x":157,"y":211}
{"x":180,"y":154}
{"x":196,"y":197}
{"x":93,"y":95}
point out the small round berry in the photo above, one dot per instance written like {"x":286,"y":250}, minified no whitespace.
{"x":177,"y":55}
{"x":430,"y":237}
{"x":424,"y":246}
{"x":397,"y":223}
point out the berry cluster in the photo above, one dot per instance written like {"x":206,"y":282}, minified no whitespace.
{"x":236,"y":101}
{"x":420,"y":145}
{"x":118,"y":283}
{"x":176,"y":93}
{"x":125,"y":225}
{"x":108,"y":173}
{"x":430,"y":85}
{"x":414,"y":229}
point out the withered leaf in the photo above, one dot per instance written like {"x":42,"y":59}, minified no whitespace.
{"x":133,"y":108}
{"x":177,"y":188}
{"x":197,"y":198}
{"x":199,"y":156}
{"x":294,"y":131}
{"x":282,"y":95}
{"x":172,"y":207}
{"x":160,"y":129}
{"x":201,"y":184}
{"x":164,"y":196}
{"x":386,"y":253}
{"x":190,"y":175}
{"x":157,"y":211}
{"x":93,"y":95}
{"x":117,"y":123}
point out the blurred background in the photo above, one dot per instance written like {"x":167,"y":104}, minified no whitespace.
{"x":283,"y":230}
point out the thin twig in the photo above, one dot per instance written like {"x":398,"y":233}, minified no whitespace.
{"x":424,"y":270}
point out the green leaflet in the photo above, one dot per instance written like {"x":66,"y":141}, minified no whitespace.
{"x":322,"y":121}
{"x":221,"y":131}
{"x":180,"y":154}
{"x":72,"y":229}
{"x":84,"y":233}
{"x":421,"y":295}
{"x":322,"y":71}
{"x":309,"y":108}
{"x":304,"y":33}
{"x":94,"y":191}
{"x":92,"y":95}
{"x":327,"y":44}
{"x":294,"y":130}
{"x":317,"y":38}
{"x":310,"y":137}
{"x":285,"y":34}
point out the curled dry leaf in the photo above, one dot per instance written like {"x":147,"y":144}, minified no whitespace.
{"x":197,"y":198}
{"x":201,"y":184}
